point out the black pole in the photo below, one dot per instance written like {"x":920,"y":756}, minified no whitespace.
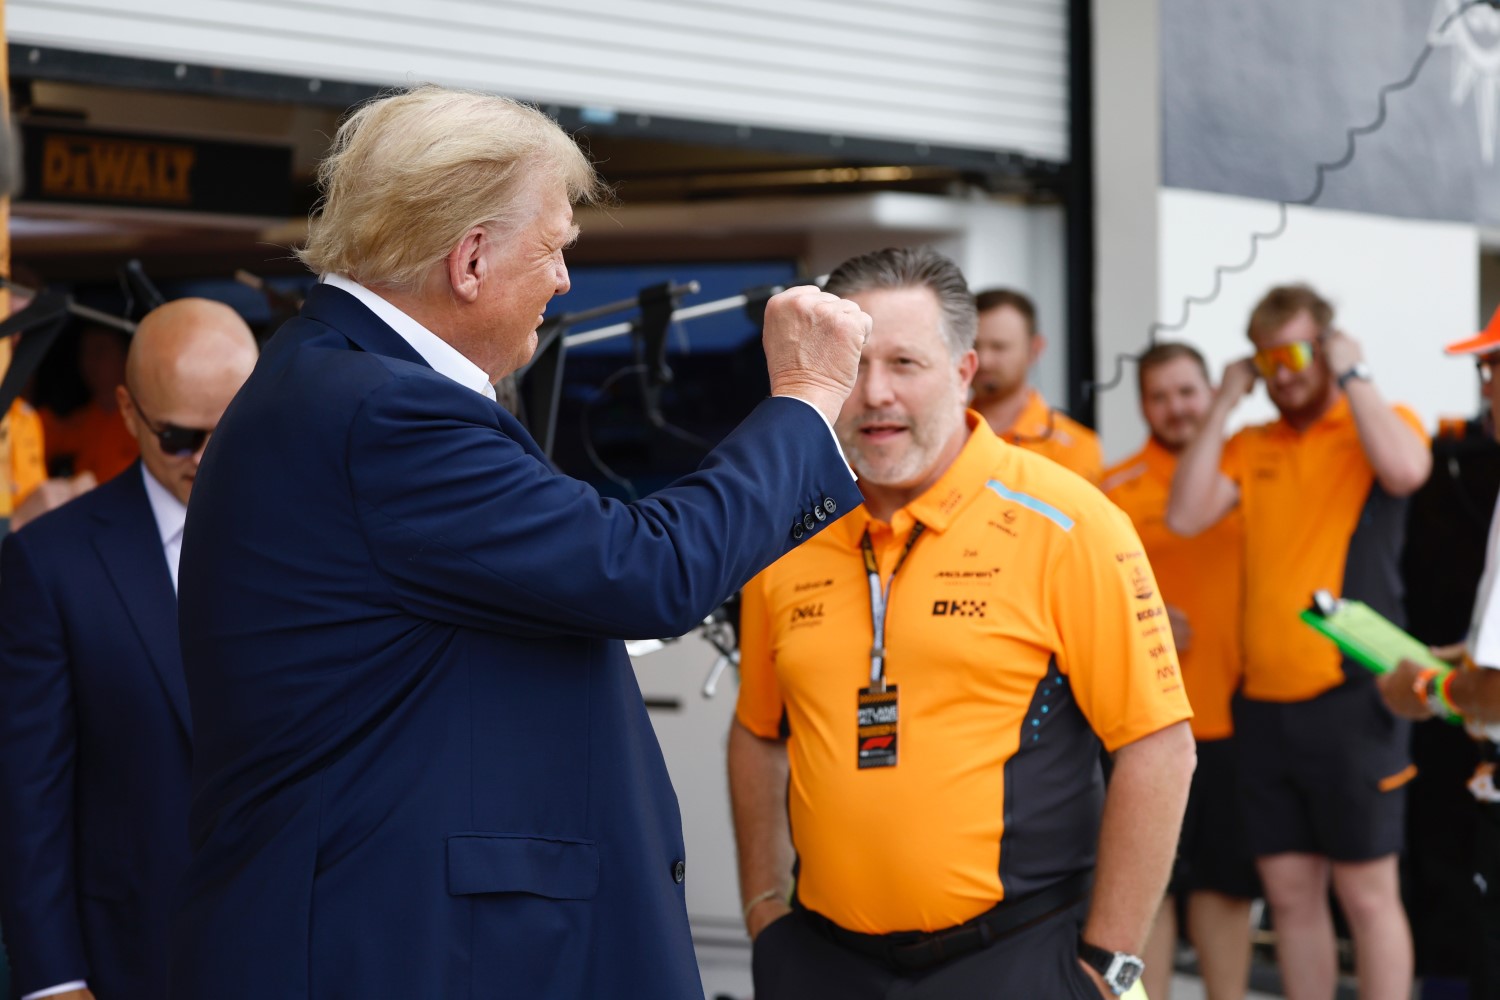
{"x":1078,"y":198}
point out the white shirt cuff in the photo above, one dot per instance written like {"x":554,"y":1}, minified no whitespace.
{"x":52,"y":991}
{"x":833,"y":434}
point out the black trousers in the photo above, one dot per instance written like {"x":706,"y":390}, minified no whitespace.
{"x":1487,"y":878}
{"x":795,"y":959}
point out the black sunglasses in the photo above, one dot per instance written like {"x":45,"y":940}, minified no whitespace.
{"x":175,"y":441}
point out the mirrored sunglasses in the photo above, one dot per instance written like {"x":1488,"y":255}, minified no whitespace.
{"x":1294,"y":357}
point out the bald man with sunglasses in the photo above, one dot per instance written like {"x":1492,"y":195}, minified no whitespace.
{"x":1323,"y":763}
{"x":95,"y":727}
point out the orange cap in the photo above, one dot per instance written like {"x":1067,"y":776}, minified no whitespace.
{"x":1485,"y":342}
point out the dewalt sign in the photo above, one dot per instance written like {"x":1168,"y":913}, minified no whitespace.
{"x":76,"y":165}
{"x":84,"y":167}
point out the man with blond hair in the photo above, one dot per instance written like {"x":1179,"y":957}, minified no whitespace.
{"x":95,"y":727}
{"x":1322,"y":764}
{"x":423,"y":766}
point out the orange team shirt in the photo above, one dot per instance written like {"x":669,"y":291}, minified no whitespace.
{"x":1024,"y":620}
{"x":22,"y":429}
{"x":1058,"y":436}
{"x":95,"y":439}
{"x":1203,"y":576}
{"x":1303,"y":496}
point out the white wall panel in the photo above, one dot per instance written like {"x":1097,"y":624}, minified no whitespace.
{"x":1403,"y":288}
{"x":978,"y":74}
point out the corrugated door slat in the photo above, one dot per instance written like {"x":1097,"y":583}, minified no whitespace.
{"x":978,"y":74}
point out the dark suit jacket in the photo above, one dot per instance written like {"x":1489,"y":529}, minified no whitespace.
{"x":424,"y":769}
{"x":94,"y":747}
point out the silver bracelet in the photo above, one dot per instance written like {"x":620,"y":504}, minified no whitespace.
{"x":774,"y":893}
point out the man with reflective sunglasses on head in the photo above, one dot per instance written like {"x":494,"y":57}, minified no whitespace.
{"x":95,"y":728}
{"x":1322,"y":761}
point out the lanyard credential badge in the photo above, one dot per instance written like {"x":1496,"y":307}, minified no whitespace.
{"x":878,"y":712}
{"x":877,"y":727}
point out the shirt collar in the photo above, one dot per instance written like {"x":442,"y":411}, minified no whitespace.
{"x":170,"y":512}
{"x":960,"y":483}
{"x":1034,"y":420}
{"x":437,"y":352}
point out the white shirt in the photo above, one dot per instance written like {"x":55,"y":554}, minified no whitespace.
{"x":170,"y":514}
{"x":444,"y":358}
{"x":1484,"y":630}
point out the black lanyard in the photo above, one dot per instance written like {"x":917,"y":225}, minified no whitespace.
{"x":880,"y":601}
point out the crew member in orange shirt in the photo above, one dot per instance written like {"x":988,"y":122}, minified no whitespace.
{"x":1322,"y":761}
{"x":924,"y":689}
{"x":1008,"y":344}
{"x":93,"y":437}
{"x":1201,"y":582}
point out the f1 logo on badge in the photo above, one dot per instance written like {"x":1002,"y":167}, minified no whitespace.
{"x":877,"y":742}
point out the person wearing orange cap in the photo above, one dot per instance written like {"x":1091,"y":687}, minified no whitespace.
{"x":1472,"y":691}
{"x":1008,"y":345}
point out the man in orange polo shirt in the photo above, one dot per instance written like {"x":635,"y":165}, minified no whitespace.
{"x":1201,"y":583}
{"x":1008,"y":344}
{"x":924,"y":689}
{"x":1322,"y":761}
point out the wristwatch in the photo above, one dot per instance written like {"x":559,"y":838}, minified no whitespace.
{"x":1118,"y":970}
{"x":1358,"y":370}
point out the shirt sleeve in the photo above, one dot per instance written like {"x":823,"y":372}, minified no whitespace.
{"x":1114,"y":640}
{"x":760,"y":707}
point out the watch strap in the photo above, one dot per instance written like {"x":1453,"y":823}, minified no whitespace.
{"x":1097,"y":958}
{"x":1358,"y":370}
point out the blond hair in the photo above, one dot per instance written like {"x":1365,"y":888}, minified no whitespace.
{"x":1280,"y":306}
{"x":411,"y":172}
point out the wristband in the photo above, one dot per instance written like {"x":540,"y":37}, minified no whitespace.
{"x":1421,"y":686}
{"x":1444,"y":695}
{"x":756,"y":900}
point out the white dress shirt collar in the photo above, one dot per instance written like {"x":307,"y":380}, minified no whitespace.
{"x":437,"y":352}
{"x":171,"y":515}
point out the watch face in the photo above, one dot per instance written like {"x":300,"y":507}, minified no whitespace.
{"x":1123,"y":972}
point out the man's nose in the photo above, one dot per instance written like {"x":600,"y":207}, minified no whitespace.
{"x":874,"y":386}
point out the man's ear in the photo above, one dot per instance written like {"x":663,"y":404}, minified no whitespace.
{"x":967,"y":366}
{"x":466,"y":264}
{"x":128,"y":413}
{"x":1037,"y":346}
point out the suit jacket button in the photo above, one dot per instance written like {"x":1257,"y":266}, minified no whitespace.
{"x":819,"y":513}
{"x":679,"y":872}
{"x":809,"y":522}
{"x":830,"y":506}
{"x":798,"y":531}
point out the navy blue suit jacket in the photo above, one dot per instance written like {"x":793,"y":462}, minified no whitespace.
{"x":94,"y":747}
{"x":423,"y":765}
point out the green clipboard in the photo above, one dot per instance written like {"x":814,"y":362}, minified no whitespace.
{"x":1365,"y":635}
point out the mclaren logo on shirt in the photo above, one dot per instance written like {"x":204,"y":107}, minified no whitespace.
{"x":1141,"y":581}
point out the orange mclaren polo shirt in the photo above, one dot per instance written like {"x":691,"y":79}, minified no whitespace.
{"x":1058,"y":436}
{"x":1203,"y":576}
{"x":1315,"y":519}
{"x":22,"y":430}
{"x":1024,"y":620}
{"x":92,"y":439}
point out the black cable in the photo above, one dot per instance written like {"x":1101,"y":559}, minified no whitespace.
{"x":1321,"y":171}
{"x":586,"y":434}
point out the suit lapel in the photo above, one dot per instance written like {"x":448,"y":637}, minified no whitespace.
{"x":128,"y":543}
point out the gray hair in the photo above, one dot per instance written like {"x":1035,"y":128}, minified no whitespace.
{"x":915,"y":267}
{"x":410,"y":173}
